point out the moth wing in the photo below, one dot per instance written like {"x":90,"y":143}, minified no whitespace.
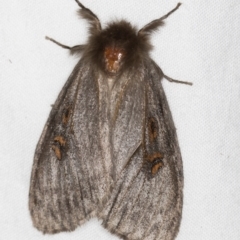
{"x":146,"y":200}
{"x":69,"y":177}
{"x":127,"y":119}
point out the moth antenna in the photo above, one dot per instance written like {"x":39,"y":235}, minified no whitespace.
{"x":73,"y":50}
{"x":176,"y":81}
{"x":90,"y":16}
{"x":155,"y":24}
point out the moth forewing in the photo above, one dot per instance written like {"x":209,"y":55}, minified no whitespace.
{"x":70,"y":175}
{"x":146,"y":201}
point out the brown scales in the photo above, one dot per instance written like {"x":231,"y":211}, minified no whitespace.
{"x":113,"y":58}
{"x":59,"y":143}
{"x":66,"y":115}
{"x":156,"y":167}
{"x":152,"y":129}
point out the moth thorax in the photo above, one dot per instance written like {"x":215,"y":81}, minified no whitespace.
{"x":110,"y":82}
{"x":113,"y":57}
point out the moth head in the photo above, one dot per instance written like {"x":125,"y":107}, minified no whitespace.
{"x":119,"y":46}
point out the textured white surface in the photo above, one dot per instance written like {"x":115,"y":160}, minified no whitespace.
{"x":199,"y":43}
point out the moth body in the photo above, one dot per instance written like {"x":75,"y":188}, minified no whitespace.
{"x":109,"y":148}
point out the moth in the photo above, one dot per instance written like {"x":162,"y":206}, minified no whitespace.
{"x":109,"y":148}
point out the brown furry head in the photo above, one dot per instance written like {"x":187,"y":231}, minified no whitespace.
{"x":117,"y":47}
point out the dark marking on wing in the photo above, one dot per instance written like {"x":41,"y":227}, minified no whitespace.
{"x":66,"y":115}
{"x":152,"y":129}
{"x":58,"y":146}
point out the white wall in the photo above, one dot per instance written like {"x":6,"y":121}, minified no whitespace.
{"x":199,"y":43}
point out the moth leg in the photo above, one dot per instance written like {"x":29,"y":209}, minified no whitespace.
{"x":90,"y":16}
{"x":176,"y":81}
{"x":73,"y":50}
{"x":89,"y":11}
{"x":169,"y":13}
{"x":155,"y":24}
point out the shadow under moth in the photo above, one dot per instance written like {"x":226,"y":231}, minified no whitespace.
{"x":109,"y":148}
